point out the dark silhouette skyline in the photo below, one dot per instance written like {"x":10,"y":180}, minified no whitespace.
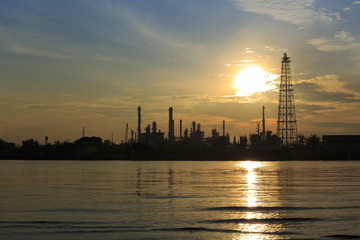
{"x":193,"y":146}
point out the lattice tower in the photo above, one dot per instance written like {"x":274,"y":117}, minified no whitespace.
{"x":286,"y":123}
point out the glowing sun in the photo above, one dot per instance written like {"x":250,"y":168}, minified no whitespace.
{"x":252,"y":80}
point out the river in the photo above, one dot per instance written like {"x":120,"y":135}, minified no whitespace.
{"x":179,"y":200}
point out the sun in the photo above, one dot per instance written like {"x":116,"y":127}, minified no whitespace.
{"x":253,"y":79}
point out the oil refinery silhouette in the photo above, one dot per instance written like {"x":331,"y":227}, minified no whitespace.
{"x":153,"y":144}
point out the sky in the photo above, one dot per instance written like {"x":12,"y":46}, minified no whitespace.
{"x":69,"y":64}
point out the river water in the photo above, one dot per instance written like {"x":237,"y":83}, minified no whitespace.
{"x":179,"y":200}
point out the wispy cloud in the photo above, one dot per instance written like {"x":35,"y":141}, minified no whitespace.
{"x":42,"y":44}
{"x":340,"y":41}
{"x":320,"y":99}
{"x":143,"y":24}
{"x":298,"y":12}
{"x":28,"y":42}
{"x":35,"y":52}
{"x":149,"y":32}
{"x":326,"y":96}
{"x":331,"y":84}
{"x":356,"y":2}
{"x":64,"y":95}
{"x":106,"y":107}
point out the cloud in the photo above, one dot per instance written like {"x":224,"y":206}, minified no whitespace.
{"x":343,"y":36}
{"x":322,"y":98}
{"x":325,"y":96}
{"x":42,"y":44}
{"x":24,"y":50}
{"x":298,"y":12}
{"x":340,"y":41}
{"x":356,"y":2}
{"x":105,"y":107}
{"x":143,"y":24}
{"x":64,"y":95}
{"x":330,"y":84}
{"x":121,"y":28}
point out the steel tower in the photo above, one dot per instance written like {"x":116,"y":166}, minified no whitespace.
{"x":286,"y":123}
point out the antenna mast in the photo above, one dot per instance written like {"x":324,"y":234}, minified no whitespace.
{"x":286,"y":123}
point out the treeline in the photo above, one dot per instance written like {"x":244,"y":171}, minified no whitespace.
{"x":218,"y":148}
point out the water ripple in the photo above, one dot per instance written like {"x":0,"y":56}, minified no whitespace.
{"x":263,"y":220}
{"x":235,"y":208}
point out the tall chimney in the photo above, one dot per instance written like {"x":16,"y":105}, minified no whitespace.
{"x":126,"y":132}
{"x":181,"y":136}
{"x":139,"y":122}
{"x":263,"y":125}
{"x":224,"y":128}
{"x":171,"y":134}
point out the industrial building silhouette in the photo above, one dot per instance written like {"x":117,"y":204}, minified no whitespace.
{"x":150,"y":143}
{"x":286,"y":123}
{"x":153,"y":136}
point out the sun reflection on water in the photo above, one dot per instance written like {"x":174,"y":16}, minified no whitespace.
{"x":251,"y":182}
{"x":250,"y":165}
{"x":251,"y":190}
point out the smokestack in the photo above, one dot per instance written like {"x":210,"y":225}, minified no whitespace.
{"x":83,"y":132}
{"x":263,"y":125}
{"x":139,"y":122}
{"x":126,"y":132}
{"x":171,"y":134}
{"x":223,"y":128}
{"x":193,"y":127}
{"x":181,"y":129}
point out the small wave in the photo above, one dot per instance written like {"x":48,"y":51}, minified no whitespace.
{"x":262,"y":220}
{"x":343,"y":236}
{"x":77,"y":210}
{"x":197,"y":229}
{"x":50,"y":222}
{"x":202,"y":229}
{"x":66,"y":226}
{"x":99,"y":231}
{"x":37,"y":233}
{"x":172,"y":197}
{"x":235,"y":208}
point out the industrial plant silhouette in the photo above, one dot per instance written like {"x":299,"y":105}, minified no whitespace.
{"x":286,"y":123}
{"x":153,"y":144}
